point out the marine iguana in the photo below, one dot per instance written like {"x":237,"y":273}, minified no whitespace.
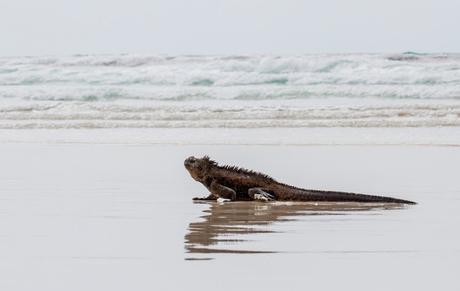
{"x":238,"y":184}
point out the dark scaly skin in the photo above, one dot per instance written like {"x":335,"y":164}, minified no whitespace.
{"x":239,"y":184}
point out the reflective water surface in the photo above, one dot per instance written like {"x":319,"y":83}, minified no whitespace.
{"x":121,"y":217}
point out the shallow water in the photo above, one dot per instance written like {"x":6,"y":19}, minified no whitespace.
{"x":120,"y":217}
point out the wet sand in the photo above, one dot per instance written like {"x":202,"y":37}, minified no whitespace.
{"x":120,"y":217}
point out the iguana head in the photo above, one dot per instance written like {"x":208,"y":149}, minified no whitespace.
{"x":198,"y":168}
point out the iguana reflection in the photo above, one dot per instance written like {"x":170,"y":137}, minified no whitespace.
{"x":223,"y":226}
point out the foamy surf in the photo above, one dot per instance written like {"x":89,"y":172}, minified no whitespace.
{"x":86,"y":78}
{"x":231,"y":114}
{"x":134,"y":91}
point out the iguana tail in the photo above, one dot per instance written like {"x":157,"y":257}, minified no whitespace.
{"x":317,"y":195}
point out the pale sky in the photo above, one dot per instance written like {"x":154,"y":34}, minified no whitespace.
{"x":63,"y":27}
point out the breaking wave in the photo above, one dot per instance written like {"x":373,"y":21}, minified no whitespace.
{"x":91,"y":78}
{"x":109,"y":91}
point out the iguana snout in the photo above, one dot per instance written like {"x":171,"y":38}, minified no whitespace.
{"x":197,"y":168}
{"x":189,"y":161}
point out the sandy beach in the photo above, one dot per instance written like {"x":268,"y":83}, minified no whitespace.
{"x":94,"y":216}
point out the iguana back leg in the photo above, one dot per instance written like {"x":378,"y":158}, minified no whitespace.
{"x":222,"y":192}
{"x":260,"y":194}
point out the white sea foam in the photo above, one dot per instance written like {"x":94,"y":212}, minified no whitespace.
{"x":169,"y":77}
{"x":355,"y":90}
{"x":241,"y":114}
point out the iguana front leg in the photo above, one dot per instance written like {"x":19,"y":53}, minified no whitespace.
{"x":210,"y":197}
{"x":222,"y":191}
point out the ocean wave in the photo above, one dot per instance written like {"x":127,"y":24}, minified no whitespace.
{"x":224,"y":71}
{"x":237,"y":114}
{"x":414,"y":56}
{"x":111,"y":91}
{"x":423,"y":90}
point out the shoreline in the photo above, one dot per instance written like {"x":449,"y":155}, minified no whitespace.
{"x":421,"y":136}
